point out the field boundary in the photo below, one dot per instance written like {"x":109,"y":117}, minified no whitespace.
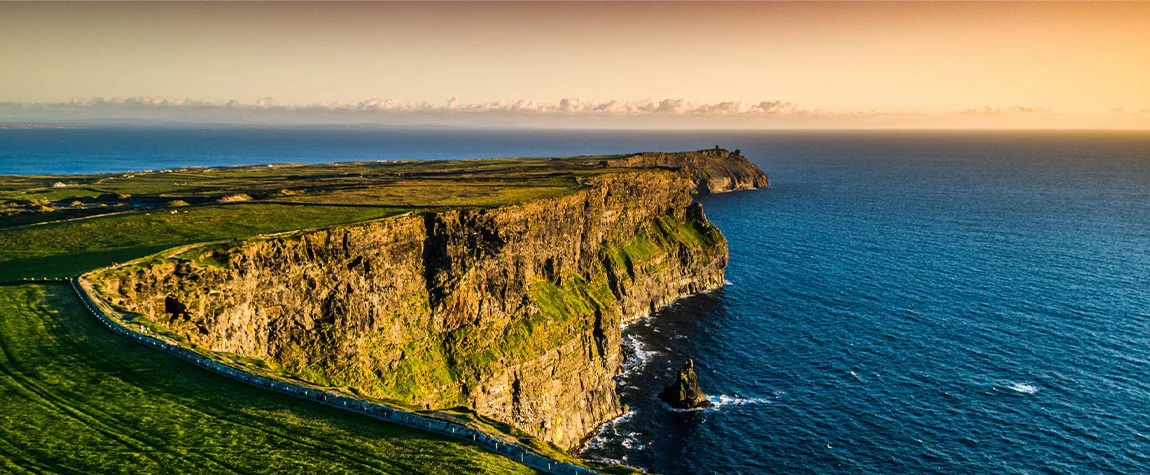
{"x":511,"y":450}
{"x":36,"y":280}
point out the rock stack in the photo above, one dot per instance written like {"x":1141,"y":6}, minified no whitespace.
{"x":684,"y":393}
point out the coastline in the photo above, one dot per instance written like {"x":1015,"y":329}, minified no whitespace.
{"x":639,"y":356}
{"x":633,"y":241}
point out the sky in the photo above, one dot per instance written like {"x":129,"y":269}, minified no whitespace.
{"x":579,"y":64}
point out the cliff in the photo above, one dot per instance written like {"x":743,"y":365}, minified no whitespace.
{"x":713,"y":170}
{"x":514,"y":311}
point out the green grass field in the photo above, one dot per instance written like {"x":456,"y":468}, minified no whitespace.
{"x":72,"y":247}
{"x":74,"y":398}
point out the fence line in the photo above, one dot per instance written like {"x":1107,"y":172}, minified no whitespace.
{"x":36,"y":280}
{"x":511,"y":450}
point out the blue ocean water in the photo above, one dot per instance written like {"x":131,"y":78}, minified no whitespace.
{"x":117,"y":149}
{"x":912,"y":302}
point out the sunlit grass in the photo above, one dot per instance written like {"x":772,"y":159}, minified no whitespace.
{"x":75,"y":398}
{"x":69,"y":248}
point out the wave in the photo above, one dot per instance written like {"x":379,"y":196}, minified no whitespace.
{"x":722,"y":400}
{"x":725,"y":400}
{"x":608,"y":428}
{"x":610,"y":431}
{"x":1023,"y":388}
{"x":635,"y":354}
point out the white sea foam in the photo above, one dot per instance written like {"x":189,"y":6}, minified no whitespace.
{"x":725,"y":400}
{"x":1023,"y":388}
{"x":720,"y":401}
{"x":610,"y":427}
{"x":632,"y":441}
{"x":641,"y":319}
{"x":636,"y":354}
{"x":609,"y":431}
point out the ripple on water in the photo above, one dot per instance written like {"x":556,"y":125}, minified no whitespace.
{"x":1023,"y":388}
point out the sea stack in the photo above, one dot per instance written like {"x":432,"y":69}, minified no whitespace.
{"x":684,"y":393}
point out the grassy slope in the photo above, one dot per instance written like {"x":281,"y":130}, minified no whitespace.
{"x":286,"y":197}
{"x":75,"y":398}
{"x":69,"y":248}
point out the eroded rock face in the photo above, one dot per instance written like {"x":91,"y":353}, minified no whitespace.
{"x":684,"y":392}
{"x":515,"y":312}
{"x":713,"y":171}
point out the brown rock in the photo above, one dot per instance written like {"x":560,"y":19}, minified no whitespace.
{"x":713,"y":170}
{"x":684,"y":392}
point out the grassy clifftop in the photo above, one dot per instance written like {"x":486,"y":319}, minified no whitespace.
{"x":61,"y":225}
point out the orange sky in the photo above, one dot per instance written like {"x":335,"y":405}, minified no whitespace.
{"x":1028,"y":64}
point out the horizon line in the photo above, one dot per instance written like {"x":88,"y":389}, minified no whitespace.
{"x":428,"y":127}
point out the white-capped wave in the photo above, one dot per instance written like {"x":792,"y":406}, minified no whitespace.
{"x":631,"y":441}
{"x":720,"y":401}
{"x":1023,"y":388}
{"x":609,"y":429}
{"x":725,"y":400}
{"x":635,"y":354}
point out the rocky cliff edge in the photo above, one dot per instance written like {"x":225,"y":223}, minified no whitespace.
{"x":514,"y":312}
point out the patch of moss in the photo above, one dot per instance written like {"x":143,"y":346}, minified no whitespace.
{"x":422,"y":374}
{"x":635,"y":250}
{"x":215,"y":256}
{"x":662,"y":237}
{"x":564,"y":311}
{"x":669,"y":229}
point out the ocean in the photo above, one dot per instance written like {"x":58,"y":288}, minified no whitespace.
{"x":897,"y":302}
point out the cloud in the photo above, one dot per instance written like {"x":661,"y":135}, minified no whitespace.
{"x":777,"y":107}
{"x":995,"y":111}
{"x":567,"y":112}
{"x":566,"y":106}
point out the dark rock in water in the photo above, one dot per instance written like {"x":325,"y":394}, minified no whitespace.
{"x":684,"y":393}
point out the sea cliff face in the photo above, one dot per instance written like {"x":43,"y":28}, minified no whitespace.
{"x":515,"y":312}
{"x":713,"y":171}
